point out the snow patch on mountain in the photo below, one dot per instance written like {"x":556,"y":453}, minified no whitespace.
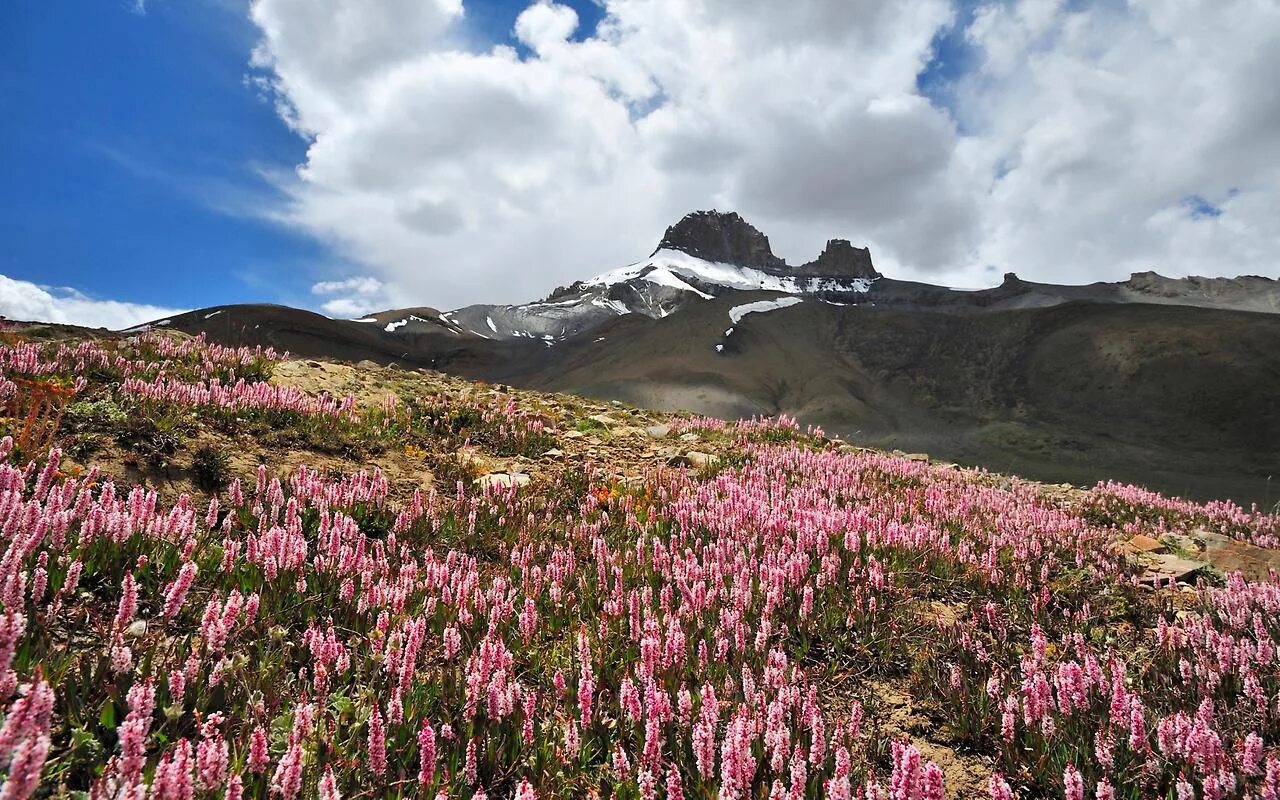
{"x":760,"y":307}
{"x":682,"y":265}
{"x":665,"y":277}
{"x":619,"y":307}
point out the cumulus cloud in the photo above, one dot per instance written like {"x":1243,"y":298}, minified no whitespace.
{"x":352,"y":297}
{"x":26,"y":301}
{"x":1108,"y":129}
{"x":459,"y":171}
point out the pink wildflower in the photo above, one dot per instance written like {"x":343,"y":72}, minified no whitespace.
{"x":999,"y":788}
{"x":377,"y":742}
{"x":1072,"y":783}
{"x":426,"y":755}
{"x":128,"y":603}
{"x":328,"y":787}
{"x":176,"y":593}
{"x":258,"y":758}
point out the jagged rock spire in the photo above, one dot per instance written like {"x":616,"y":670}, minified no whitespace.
{"x":723,"y":237}
{"x":726,"y":237}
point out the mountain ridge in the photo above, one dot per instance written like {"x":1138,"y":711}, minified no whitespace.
{"x":1157,"y":380}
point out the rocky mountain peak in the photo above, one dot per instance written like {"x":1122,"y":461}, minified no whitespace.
{"x":840,"y":259}
{"x":725,"y":237}
{"x":721,"y":236}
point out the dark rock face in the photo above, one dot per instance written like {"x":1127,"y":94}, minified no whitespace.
{"x":729,"y":239}
{"x":841,"y":259}
{"x":722,"y":237}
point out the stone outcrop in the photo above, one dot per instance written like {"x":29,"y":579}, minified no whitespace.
{"x":723,"y":237}
{"x":727,"y":238}
{"x":840,"y":259}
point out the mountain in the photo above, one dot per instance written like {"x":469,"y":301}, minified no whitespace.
{"x":1162,"y":381}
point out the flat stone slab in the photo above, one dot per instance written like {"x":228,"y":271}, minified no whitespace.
{"x":1163,"y":568}
{"x":1230,"y":555}
{"x":1145,"y":544}
{"x":504,"y":479}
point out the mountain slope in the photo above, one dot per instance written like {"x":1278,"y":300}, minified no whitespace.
{"x":1157,"y":380}
{"x":1183,"y":399}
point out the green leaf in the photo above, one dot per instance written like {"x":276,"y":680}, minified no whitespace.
{"x":107,"y":718}
{"x":80,"y":737}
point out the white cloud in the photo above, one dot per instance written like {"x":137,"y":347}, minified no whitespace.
{"x":544,"y":26}
{"x":1106,"y":119}
{"x":456,"y":171}
{"x":26,"y":301}
{"x":352,"y":297}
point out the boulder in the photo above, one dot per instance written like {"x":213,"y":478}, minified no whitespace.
{"x":660,"y":431}
{"x":1144,"y":544}
{"x":701,"y":460}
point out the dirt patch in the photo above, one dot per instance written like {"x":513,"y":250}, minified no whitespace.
{"x":967,"y":775}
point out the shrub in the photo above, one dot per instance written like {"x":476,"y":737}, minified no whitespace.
{"x":211,"y":468}
{"x":94,"y":415}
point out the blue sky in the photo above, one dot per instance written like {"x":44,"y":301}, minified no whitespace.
{"x":135,"y":153}
{"x":133,"y":146}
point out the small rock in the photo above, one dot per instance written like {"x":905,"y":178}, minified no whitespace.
{"x":701,"y":460}
{"x":574,"y":434}
{"x":1144,"y":544}
{"x":504,"y":479}
{"x":603,"y":419}
{"x":688,"y":437}
{"x":137,"y":629}
{"x":661,"y":431}
{"x":554,"y":452}
{"x":917,"y":457}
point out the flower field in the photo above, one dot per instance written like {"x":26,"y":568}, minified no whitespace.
{"x":726,"y":632}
